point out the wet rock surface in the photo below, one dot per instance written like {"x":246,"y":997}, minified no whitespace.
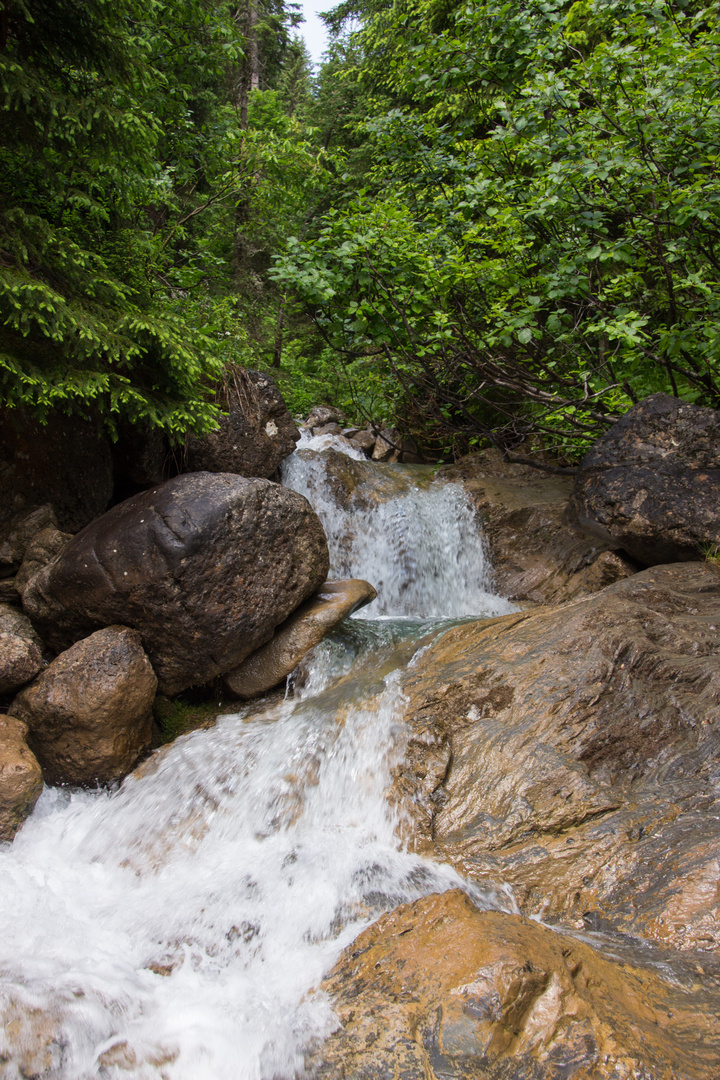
{"x":651,"y":485}
{"x":21,"y":781}
{"x":537,"y":553}
{"x":307,"y":626}
{"x":255,"y":436}
{"x":204,"y":566}
{"x":574,"y":752}
{"x":439,"y":989}
{"x":89,"y":714}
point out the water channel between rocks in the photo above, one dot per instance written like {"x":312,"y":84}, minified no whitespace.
{"x":178,"y":927}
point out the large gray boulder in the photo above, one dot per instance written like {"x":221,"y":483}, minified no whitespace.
{"x":204,"y":567}
{"x":255,"y":436}
{"x":89,"y":713}
{"x":651,"y":485}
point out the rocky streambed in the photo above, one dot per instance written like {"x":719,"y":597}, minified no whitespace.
{"x":472,"y":837}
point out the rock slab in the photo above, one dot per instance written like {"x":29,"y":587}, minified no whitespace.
{"x":204,"y":567}
{"x":307,"y":626}
{"x":439,"y":989}
{"x":21,"y":781}
{"x":651,"y":485}
{"x":574,"y":752}
{"x":89,"y":714}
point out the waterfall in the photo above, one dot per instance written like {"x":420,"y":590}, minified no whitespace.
{"x":178,"y":927}
{"x":416,"y":540}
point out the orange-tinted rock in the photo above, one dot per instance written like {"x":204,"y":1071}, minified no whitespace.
{"x":21,"y":781}
{"x":439,"y":989}
{"x":574,"y":751}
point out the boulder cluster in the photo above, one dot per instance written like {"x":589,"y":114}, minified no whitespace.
{"x":216,"y":576}
{"x":376,"y":441}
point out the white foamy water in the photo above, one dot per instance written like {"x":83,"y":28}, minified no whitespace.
{"x":416,"y":541}
{"x":178,"y":928}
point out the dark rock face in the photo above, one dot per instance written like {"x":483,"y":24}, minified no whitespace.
{"x":89,"y":713}
{"x":307,"y":626}
{"x":255,"y":436}
{"x":440,"y":989}
{"x":537,"y":554}
{"x":21,"y":781}
{"x":574,"y":752}
{"x":204,"y":566}
{"x":651,"y":485}
{"x":65,"y":462}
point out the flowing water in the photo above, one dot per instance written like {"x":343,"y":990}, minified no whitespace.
{"x":178,"y":927}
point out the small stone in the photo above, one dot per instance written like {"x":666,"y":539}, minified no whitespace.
{"x":388,"y":445}
{"x":327,"y":429}
{"x":363,"y":440}
{"x":324,"y":414}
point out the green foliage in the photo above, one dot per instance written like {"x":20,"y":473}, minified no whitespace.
{"x":536,"y":243}
{"x":123,"y":160}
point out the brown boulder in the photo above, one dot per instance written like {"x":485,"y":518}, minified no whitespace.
{"x":307,"y":626}
{"x":439,"y":989}
{"x":20,"y":661}
{"x":13,"y":621}
{"x":16,"y":535}
{"x":89,"y":713}
{"x":651,"y":484}
{"x":537,"y":554}
{"x":327,"y":429}
{"x":255,"y":436}
{"x":21,"y":781}
{"x":574,"y":751}
{"x":204,"y":566}
{"x":65,"y":462}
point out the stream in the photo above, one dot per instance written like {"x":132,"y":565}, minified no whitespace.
{"x":179,"y":926}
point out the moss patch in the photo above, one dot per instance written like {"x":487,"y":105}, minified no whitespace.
{"x":178,"y":715}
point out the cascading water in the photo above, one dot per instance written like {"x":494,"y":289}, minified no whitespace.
{"x":416,"y":541}
{"x":177,"y":928}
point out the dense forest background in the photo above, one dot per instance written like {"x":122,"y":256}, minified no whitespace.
{"x":480,"y":221}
